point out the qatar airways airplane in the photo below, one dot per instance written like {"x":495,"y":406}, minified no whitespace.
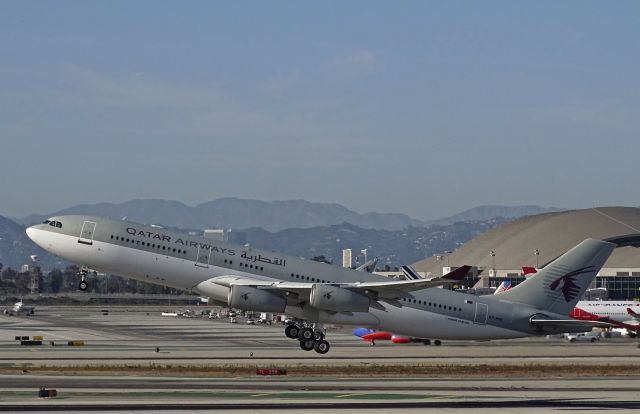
{"x":314,"y":293}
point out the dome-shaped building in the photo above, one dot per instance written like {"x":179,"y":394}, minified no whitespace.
{"x":535,"y":240}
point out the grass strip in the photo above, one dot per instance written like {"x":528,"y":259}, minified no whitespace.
{"x":300,"y":370}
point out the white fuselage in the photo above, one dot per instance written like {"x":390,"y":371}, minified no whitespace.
{"x":612,"y":309}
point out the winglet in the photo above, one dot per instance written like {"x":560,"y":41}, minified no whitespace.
{"x":458,"y":274}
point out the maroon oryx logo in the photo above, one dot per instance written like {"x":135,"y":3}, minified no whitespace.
{"x":567,"y":283}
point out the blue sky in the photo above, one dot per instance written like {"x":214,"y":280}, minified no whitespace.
{"x":425,"y":108}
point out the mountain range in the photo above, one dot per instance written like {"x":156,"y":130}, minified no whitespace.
{"x":236,"y":213}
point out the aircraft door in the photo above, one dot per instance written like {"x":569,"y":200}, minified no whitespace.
{"x":482,"y":311}
{"x":203,"y":257}
{"x":87,"y":232}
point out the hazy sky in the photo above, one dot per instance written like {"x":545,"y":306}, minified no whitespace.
{"x":425,"y":108}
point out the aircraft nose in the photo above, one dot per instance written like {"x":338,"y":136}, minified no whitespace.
{"x":35,"y":235}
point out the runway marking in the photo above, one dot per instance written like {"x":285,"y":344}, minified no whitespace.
{"x":260,"y":395}
{"x":348,"y":395}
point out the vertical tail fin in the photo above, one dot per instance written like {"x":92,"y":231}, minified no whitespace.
{"x":504,"y":286}
{"x":560,"y":285}
{"x":410,"y":273}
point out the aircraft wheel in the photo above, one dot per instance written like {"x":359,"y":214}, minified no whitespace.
{"x":318,"y":335}
{"x":292,"y":331}
{"x":373,"y":343}
{"x":306,"y":334}
{"x":437,"y":342}
{"x":427,"y":341}
{"x":83,"y":285}
{"x":307,"y":345}
{"x":322,"y":346}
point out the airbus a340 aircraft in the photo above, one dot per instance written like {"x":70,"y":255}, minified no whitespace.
{"x":316,"y":293}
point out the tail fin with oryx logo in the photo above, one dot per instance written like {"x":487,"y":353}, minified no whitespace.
{"x":560,"y":285}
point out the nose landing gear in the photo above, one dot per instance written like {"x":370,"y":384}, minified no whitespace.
{"x":311,"y":338}
{"x":83,"y":285}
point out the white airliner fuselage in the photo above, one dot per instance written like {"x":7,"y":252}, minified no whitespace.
{"x":220,"y":270}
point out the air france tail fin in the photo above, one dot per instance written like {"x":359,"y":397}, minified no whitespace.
{"x":410,"y":273}
{"x":560,"y":285}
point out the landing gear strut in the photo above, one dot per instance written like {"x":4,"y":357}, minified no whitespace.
{"x":83,"y":285}
{"x":311,"y":338}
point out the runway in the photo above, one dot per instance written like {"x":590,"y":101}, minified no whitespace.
{"x":209,"y":365}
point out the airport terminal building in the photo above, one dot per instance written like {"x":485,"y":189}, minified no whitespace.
{"x":533,"y":241}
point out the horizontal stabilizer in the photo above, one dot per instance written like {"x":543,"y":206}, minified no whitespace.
{"x":568,"y":323}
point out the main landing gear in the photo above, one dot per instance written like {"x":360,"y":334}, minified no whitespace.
{"x":83,"y":285}
{"x":311,"y":338}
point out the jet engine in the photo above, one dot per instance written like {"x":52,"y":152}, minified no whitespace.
{"x":337,"y":299}
{"x":250,"y":298}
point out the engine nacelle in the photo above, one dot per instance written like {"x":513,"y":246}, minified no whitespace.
{"x":250,"y":298}
{"x":333,"y":298}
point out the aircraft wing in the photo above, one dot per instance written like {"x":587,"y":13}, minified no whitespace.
{"x":410,"y":285}
{"x":568,"y":323}
{"x":384,"y":289}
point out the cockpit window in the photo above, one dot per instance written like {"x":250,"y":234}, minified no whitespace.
{"x":53,"y":223}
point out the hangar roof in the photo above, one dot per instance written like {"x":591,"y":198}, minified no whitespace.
{"x":551,"y":234}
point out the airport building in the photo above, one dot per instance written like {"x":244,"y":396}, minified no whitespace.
{"x":533,"y":241}
{"x":346,"y":258}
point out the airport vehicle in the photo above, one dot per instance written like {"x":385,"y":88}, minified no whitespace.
{"x":314,"y":293}
{"x":20,"y":308}
{"x":583,"y":337}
